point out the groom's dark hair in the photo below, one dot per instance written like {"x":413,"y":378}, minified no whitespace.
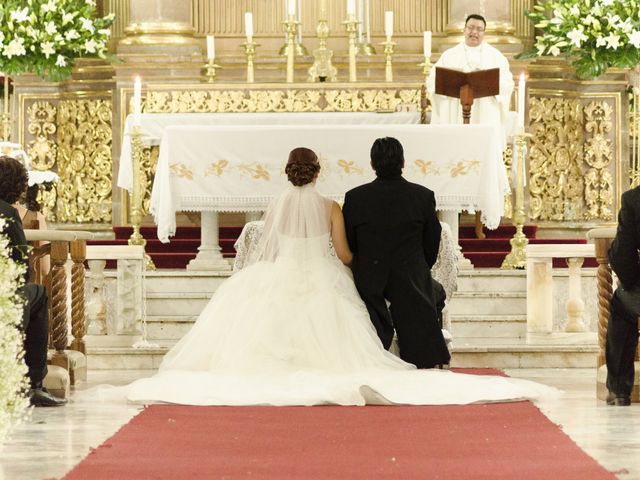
{"x":387,"y":157}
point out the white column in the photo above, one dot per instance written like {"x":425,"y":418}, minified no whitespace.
{"x":451,"y":217}
{"x":575,"y":304}
{"x":209,"y":252}
{"x":539,"y":295}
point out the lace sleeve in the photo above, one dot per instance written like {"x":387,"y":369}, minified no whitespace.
{"x":247,"y":243}
{"x":445,"y":269}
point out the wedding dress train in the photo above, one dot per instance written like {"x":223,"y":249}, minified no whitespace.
{"x":290,"y":329}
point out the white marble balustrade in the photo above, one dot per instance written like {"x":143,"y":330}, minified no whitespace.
{"x":540,"y":287}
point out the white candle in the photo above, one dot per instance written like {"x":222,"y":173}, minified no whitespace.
{"x":427,"y":45}
{"x":360,"y":20}
{"x":323,"y":10}
{"x":351,"y":8}
{"x":368,"y":20}
{"x":291,"y":8}
{"x":137,"y":100}
{"x":388,"y":24}
{"x":211,"y":47}
{"x":248,"y":26}
{"x":521,"y":97}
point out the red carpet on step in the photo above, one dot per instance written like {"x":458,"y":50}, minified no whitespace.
{"x":492,"y":441}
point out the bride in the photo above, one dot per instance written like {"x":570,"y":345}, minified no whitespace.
{"x":290,"y":329}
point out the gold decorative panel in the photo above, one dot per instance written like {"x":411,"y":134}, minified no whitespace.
{"x":73,"y":138}
{"x":84,"y":161}
{"x":282,"y":100}
{"x":570,"y":159}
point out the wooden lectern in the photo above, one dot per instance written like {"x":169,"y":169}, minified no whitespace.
{"x":467,"y":86}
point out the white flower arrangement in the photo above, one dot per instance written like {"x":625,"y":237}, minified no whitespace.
{"x":46,"y":36}
{"x":13,"y":371}
{"x":594,"y":34}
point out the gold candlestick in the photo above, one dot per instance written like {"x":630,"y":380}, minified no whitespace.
{"x":250,"y":52}
{"x":137,"y":193}
{"x":6,"y":116}
{"x":517,"y":258}
{"x":426,"y":67}
{"x":291,"y":26}
{"x":388,"y":53}
{"x":322,"y":68}
{"x":210,"y":70}
{"x":352,"y":28}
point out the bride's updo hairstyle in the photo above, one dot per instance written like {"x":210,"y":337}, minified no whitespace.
{"x":302,"y":166}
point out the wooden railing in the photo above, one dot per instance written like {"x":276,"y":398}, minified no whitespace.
{"x":602,"y":238}
{"x":61,"y":244}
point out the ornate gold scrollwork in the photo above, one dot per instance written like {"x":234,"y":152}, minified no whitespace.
{"x":569,"y":177}
{"x":84,"y":161}
{"x":42,"y":150}
{"x":285,"y":100}
{"x":598,"y":155}
{"x":149,"y":164}
{"x":570,"y":158}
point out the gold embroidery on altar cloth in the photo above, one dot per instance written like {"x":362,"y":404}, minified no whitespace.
{"x":464,"y":167}
{"x":427,"y":167}
{"x":181,"y":170}
{"x":255,"y":170}
{"x":216,"y":168}
{"x":349,"y":167}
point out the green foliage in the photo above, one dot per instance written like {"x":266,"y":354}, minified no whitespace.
{"x":46,"y":36}
{"x":594,"y":34}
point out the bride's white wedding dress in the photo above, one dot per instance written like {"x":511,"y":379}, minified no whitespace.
{"x":290,"y":329}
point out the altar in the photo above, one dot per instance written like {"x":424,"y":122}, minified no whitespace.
{"x":240,"y":168}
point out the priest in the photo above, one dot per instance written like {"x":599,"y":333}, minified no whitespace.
{"x":473,"y":54}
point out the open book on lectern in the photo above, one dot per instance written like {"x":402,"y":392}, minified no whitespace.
{"x":483,"y":83}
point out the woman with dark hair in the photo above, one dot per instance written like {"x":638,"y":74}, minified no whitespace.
{"x":14,"y":183}
{"x":290,"y":329}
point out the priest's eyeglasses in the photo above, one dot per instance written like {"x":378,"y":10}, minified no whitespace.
{"x":474,"y":29}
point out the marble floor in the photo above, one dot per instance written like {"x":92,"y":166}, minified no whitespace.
{"x":52,"y":441}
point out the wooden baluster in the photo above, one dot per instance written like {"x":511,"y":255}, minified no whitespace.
{"x":605,"y":292}
{"x":78,"y":321}
{"x":58,"y":303}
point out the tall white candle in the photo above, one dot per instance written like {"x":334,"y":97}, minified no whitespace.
{"x":137,"y":100}
{"x":521,"y":97}
{"x":388,"y":24}
{"x":248,"y":25}
{"x":360,"y":20}
{"x":291,"y":8}
{"x":368,"y":20}
{"x":351,"y":8}
{"x":211,"y":47}
{"x":427,"y":45}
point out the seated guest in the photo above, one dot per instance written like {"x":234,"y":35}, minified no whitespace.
{"x":622,"y":332}
{"x":13,"y":183}
{"x":29,"y":210}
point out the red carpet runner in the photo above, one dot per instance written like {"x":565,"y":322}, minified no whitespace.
{"x":494,"y":441}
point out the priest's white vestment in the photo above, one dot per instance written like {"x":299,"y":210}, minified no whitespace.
{"x":487,"y":110}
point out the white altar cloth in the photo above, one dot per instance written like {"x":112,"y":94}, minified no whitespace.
{"x":152,"y":126}
{"x":241,"y":168}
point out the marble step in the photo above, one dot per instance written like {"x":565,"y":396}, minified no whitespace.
{"x":471,"y":353}
{"x":488,"y":303}
{"x":488,"y":326}
{"x":176,"y":303}
{"x":558,"y":350}
{"x":170,"y":281}
{"x":167,"y":330}
{"x":492,"y":279}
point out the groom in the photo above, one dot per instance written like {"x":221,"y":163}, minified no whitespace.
{"x":394,"y":234}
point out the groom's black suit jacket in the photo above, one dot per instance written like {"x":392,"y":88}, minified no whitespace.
{"x":394,"y":233}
